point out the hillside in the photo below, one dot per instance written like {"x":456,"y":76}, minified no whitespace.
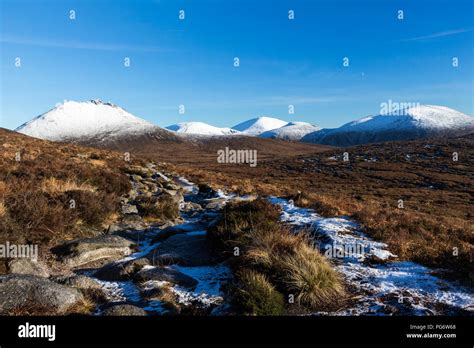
{"x":36,"y":189}
{"x":257,"y":126}
{"x":413,"y":123}
{"x":436,"y":192}
{"x":93,"y":122}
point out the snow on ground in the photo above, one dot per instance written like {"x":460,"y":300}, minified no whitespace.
{"x":210,"y":278}
{"x":187,"y":186}
{"x":120,"y":291}
{"x":383,"y":283}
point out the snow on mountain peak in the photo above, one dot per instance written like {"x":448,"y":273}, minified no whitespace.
{"x":76,"y":120}
{"x":200,"y":128}
{"x":258,"y":125}
{"x":428,"y":117}
{"x":433,"y":116}
{"x":411,"y":123}
{"x":291,"y":131}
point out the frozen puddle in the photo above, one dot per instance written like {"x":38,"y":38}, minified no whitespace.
{"x":387,"y":286}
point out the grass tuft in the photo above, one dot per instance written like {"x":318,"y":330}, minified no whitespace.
{"x":289,"y":261}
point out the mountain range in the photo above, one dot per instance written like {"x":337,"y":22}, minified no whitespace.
{"x":97,"y":122}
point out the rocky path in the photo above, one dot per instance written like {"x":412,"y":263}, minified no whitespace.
{"x":173,"y":270}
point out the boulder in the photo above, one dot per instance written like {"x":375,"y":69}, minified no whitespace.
{"x":136,"y":177}
{"x":134,"y":221}
{"x":166,"y":274}
{"x":124,"y":310}
{"x":28,"y":266}
{"x":121,"y":270}
{"x":128,"y":224}
{"x":175,"y":229}
{"x":133,"y":235}
{"x":176,"y":196}
{"x":28,"y":294}
{"x":129,"y":209}
{"x":190,"y":206}
{"x":216,"y":204}
{"x":206,"y":191}
{"x":78,"y":281}
{"x":183,"y":249}
{"x":83,"y":251}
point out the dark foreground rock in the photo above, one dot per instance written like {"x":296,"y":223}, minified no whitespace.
{"x":166,"y":274}
{"x":184,"y":250}
{"x":83,"y":251}
{"x":124,"y":310}
{"x":176,"y":229}
{"x":28,"y":294}
{"x":121,"y":270}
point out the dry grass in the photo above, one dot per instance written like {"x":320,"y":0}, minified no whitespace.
{"x":308,"y":275}
{"x":257,"y":295}
{"x":436,"y":221}
{"x":85,"y":306}
{"x":3,"y":210}
{"x":37,"y":190}
{"x":56,"y":186}
{"x":159,"y":208}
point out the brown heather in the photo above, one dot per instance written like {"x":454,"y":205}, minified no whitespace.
{"x":437,"y":192}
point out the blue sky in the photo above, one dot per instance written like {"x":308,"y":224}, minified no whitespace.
{"x":190,"y":62}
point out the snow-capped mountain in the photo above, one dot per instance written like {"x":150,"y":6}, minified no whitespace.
{"x":257,"y":126}
{"x":415,"y":122}
{"x":200,"y":128}
{"x":99,"y":123}
{"x":83,"y":121}
{"x":291,"y":131}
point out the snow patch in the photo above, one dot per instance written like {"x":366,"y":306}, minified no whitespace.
{"x":76,"y":120}
{"x":200,"y":128}
{"x":414,"y":284}
{"x":259,"y":125}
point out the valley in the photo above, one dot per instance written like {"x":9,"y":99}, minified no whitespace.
{"x":133,"y":219}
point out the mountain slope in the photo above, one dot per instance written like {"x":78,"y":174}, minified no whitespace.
{"x":291,"y":131}
{"x":200,"y":128}
{"x":416,"y":122}
{"x":257,"y":126}
{"x":88,"y":122}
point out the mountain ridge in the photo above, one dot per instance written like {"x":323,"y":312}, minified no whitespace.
{"x":99,"y":123}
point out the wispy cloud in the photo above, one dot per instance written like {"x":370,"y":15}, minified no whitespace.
{"x":71,"y":44}
{"x":438,"y":35}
